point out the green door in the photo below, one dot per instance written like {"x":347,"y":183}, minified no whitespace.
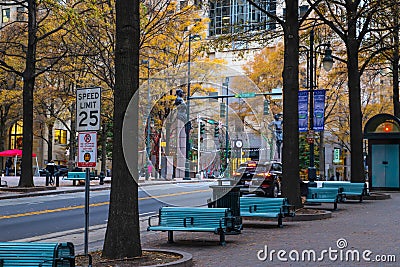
{"x":385,"y":166}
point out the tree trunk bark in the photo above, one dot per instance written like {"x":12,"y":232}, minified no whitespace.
{"x":357,"y":167}
{"x":26,"y":179}
{"x":396,"y":103}
{"x":123,"y":236}
{"x":50,"y":137}
{"x":322,"y":156}
{"x":72,"y":138}
{"x":290,"y":153}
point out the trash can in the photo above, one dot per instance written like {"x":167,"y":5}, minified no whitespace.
{"x":101,"y":177}
{"x":227,"y":195}
{"x":303,"y":188}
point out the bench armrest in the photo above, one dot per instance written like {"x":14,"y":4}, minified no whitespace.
{"x":289,"y":210}
{"x":150,"y":217}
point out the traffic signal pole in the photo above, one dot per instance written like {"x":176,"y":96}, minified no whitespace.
{"x":198,"y":143}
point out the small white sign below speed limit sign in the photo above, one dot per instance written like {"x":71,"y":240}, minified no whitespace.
{"x":88,"y":101}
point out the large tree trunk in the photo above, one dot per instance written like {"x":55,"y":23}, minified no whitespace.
{"x":72,"y":138}
{"x":396,"y":43}
{"x":26,"y":179}
{"x":50,"y":137}
{"x":290,"y":153}
{"x":321,"y":154}
{"x":357,"y":167}
{"x":123,"y":235}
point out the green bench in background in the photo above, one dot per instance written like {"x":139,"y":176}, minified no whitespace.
{"x":323,"y":195}
{"x":75,"y":176}
{"x":347,"y":189}
{"x":266,"y":208}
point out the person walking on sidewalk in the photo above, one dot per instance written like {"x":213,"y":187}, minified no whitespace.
{"x":8,"y":166}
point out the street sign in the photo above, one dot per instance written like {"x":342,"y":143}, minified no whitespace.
{"x":276,"y":91}
{"x":336,"y":155}
{"x":87,"y":149}
{"x":88,"y":101}
{"x":245,"y":95}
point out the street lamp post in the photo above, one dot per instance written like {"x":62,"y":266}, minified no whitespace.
{"x":227,"y":170}
{"x":148,"y":120}
{"x":187,"y":124}
{"x":327,"y":62}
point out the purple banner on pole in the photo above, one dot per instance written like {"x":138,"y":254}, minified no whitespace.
{"x":303,"y":111}
{"x":319,"y":110}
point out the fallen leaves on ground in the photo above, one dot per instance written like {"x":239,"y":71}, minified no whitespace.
{"x":148,"y":258}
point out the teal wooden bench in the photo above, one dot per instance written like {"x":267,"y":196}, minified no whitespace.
{"x":347,"y":189}
{"x":266,"y":208}
{"x":195,"y":219}
{"x":75,"y":176}
{"x":323,"y":195}
{"x":13,"y":254}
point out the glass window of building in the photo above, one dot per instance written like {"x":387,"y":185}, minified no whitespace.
{"x":232,"y":16}
{"x":60,"y":136}
{"x":16,"y":136}
{"x":5,"y":15}
{"x":21,"y":15}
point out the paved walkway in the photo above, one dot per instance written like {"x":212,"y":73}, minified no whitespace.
{"x":368,"y":231}
{"x":371,"y":227}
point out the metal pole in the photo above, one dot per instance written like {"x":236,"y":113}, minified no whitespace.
{"x":187,"y":130}
{"x":227,"y":170}
{"x":159,"y":156}
{"x":87,"y":197}
{"x":311,"y":168}
{"x":148,"y":121}
{"x":198,"y":144}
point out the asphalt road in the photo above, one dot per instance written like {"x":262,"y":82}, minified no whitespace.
{"x":35,"y":216}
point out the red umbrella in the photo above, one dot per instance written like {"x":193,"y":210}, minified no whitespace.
{"x":13,"y":153}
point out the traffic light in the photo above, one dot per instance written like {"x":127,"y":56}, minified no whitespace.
{"x":216,"y":130}
{"x":202,"y":128}
{"x":266,"y":107}
{"x":222,"y":108}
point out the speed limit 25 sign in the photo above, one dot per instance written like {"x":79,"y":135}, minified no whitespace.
{"x":88,"y":101}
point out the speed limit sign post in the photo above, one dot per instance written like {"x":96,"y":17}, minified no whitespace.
{"x":88,"y":101}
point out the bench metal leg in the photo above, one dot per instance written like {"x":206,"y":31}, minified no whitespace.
{"x":170,"y":236}
{"x":335,"y":206}
{"x":222,"y":238}
{"x":280,"y":224}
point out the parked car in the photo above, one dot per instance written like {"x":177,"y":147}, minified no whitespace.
{"x":259,"y":178}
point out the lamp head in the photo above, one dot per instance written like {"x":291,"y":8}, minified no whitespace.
{"x":327,"y":61}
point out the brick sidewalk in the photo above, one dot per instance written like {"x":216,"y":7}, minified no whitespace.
{"x":371,"y":225}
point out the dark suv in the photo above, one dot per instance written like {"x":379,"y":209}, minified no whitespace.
{"x":259,"y":178}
